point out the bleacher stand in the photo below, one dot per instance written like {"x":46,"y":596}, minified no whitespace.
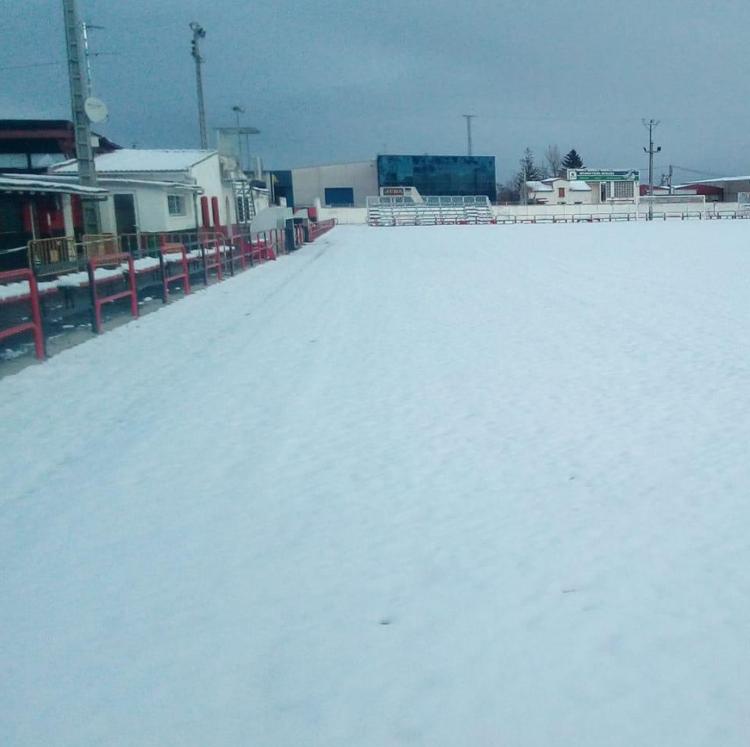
{"x":434,"y":210}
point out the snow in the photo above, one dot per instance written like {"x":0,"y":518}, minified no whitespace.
{"x":143,"y":264}
{"x":78,"y":279}
{"x":138,"y":160}
{"x":537,"y":186}
{"x":471,"y":485}
{"x":576,"y":186}
{"x":20,"y":289}
{"x":28,"y":183}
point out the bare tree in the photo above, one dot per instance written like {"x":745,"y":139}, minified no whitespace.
{"x":554,"y":160}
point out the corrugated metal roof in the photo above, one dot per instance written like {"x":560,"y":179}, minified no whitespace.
{"x":136,"y":160}
{"x":12,"y":183}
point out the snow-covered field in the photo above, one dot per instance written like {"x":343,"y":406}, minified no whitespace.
{"x":427,"y":486}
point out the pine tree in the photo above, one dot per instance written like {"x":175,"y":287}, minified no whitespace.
{"x":572,"y":160}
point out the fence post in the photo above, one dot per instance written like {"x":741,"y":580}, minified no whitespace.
{"x":95,"y":312}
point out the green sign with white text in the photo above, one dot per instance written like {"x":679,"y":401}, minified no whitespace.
{"x":603,"y":175}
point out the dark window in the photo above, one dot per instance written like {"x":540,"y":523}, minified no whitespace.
{"x":339,"y":196}
{"x":440,"y":175}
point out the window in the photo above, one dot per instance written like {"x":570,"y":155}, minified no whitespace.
{"x":244,"y":209}
{"x":176,"y":204}
{"x":623,"y":190}
{"x":44,"y":160}
{"x":561,"y":191}
{"x":339,"y":196}
{"x":13,"y":161}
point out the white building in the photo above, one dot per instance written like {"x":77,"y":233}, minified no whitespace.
{"x":167,"y":190}
{"x":559,"y":192}
{"x":586,"y":187}
{"x":334,"y":185}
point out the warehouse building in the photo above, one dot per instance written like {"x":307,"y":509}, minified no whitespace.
{"x":349,"y":184}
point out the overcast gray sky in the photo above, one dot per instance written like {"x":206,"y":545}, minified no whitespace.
{"x":340,"y":80}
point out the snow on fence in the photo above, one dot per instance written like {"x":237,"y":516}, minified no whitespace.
{"x":26,"y":290}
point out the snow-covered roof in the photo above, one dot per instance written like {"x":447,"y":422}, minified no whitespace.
{"x":113,"y":181}
{"x":578,"y":186}
{"x":136,"y":160}
{"x":536,"y":186}
{"x":721,"y":179}
{"x":28,"y":183}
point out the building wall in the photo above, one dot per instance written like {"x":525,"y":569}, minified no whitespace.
{"x":151,"y":209}
{"x":207,"y":175}
{"x":310,"y":183}
{"x":569,"y":198}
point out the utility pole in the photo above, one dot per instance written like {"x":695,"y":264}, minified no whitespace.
{"x":78,"y":92}
{"x":468,"y":118}
{"x":198,"y":34}
{"x":670,"y":179}
{"x":650,"y":124}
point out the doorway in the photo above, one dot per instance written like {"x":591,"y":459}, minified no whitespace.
{"x":125,"y":214}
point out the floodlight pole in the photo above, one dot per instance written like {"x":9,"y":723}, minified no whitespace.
{"x":79,"y":87}
{"x":198,"y":34}
{"x":237,"y":111}
{"x":650,"y":124}
{"x":468,"y":118}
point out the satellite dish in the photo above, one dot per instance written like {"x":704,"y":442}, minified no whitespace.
{"x":96,"y":110}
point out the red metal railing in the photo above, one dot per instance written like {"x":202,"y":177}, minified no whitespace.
{"x":165,"y":253}
{"x":321,"y":227}
{"x":35,"y":325}
{"x":174,"y":255}
{"x":212,"y":260}
{"x":98,"y":301}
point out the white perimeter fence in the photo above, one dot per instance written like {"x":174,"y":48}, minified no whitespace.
{"x":581,"y":213}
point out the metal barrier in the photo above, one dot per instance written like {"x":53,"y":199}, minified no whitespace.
{"x":32,"y":295}
{"x":147,"y":255}
{"x":165,"y":253}
{"x":321,"y":227}
{"x":212,"y":260}
{"x":99,"y":245}
{"x":98,"y":301}
{"x":53,"y":256}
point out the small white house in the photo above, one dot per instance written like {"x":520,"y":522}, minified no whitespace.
{"x":557,"y":191}
{"x":586,"y":187}
{"x":163,"y":190}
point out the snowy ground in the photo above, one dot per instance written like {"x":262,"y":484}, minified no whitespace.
{"x":427,"y":486}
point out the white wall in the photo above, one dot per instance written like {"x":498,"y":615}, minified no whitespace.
{"x":344,"y":215}
{"x":270,"y":218}
{"x":151,"y":209}
{"x":310,"y":183}
{"x":207,"y":175}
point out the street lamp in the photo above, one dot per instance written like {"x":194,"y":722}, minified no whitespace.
{"x":237,"y":109}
